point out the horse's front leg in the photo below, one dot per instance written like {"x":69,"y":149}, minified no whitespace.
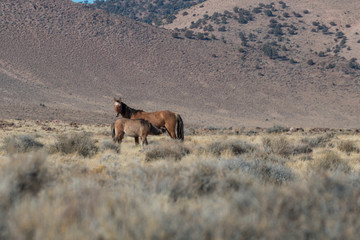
{"x":137,"y":140}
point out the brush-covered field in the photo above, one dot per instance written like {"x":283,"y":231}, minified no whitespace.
{"x":63,"y":180}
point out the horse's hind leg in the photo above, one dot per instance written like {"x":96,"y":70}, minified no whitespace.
{"x":171,"y":130}
{"x":136,"y":140}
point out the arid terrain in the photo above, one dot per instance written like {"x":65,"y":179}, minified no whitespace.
{"x":269,"y":93}
{"x":61,"y":180}
{"x":61,"y":60}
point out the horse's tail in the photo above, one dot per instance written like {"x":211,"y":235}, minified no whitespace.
{"x":154,"y":130}
{"x":180,"y":127}
{"x":113,"y":131}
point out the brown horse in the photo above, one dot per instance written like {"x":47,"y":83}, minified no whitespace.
{"x":161,"y":119}
{"x":133,"y":128}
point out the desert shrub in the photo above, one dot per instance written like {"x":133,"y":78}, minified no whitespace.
{"x":300,"y":148}
{"x":252,"y":37}
{"x":298,"y":15}
{"x":353,"y":64}
{"x":201,"y":181}
{"x":316,"y":23}
{"x":277,"y":129}
{"x":277,"y":145}
{"x":222,"y":29}
{"x":24,"y":174}
{"x":109,"y":144}
{"x":332,"y":23}
{"x":201,"y":36}
{"x":268,"y":13}
{"x":175,"y":35}
{"x":257,"y":10}
{"x":292,"y":31}
{"x":276,"y":29}
{"x":270,"y":51}
{"x":347,"y":146}
{"x":80,"y":143}
{"x":330,"y":161}
{"x":234,"y":146}
{"x":189,"y":34}
{"x":343,"y":42}
{"x":321,"y":54}
{"x":173,"y":151}
{"x":272,"y":172}
{"x":330,"y":66}
{"x":318,"y":141}
{"x":339,"y":34}
{"x":209,"y":28}
{"x":292,"y":61}
{"x":21,"y":144}
{"x":310,"y":62}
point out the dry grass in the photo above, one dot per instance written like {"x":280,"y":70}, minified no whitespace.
{"x":221,"y":186}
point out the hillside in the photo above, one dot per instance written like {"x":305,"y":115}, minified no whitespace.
{"x":62,"y":60}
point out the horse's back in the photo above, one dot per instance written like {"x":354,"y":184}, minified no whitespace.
{"x":158,"y":119}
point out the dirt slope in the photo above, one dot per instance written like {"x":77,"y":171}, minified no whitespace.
{"x":62,"y":60}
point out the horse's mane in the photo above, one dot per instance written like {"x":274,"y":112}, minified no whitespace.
{"x":128,"y":111}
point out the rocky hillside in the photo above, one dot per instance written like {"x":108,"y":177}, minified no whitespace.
{"x":62,"y":60}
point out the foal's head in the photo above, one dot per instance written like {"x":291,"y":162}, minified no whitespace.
{"x":117,"y":106}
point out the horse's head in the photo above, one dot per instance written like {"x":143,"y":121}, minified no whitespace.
{"x":117,"y":106}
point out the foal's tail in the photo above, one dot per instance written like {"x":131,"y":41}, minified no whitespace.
{"x":180,"y":127}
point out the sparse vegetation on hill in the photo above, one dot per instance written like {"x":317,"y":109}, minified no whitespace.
{"x":72,"y":58}
{"x":149,"y":11}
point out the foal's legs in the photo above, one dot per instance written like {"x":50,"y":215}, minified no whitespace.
{"x":143,"y":137}
{"x":119,"y":137}
{"x":144,"y":141}
{"x":137,"y":140}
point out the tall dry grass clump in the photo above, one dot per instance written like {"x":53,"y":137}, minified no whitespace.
{"x":21,"y":144}
{"x":236,"y":147}
{"x":173,"y":151}
{"x":22,"y":178}
{"x":348,"y":146}
{"x":330,"y":161}
{"x":80,"y":143}
{"x":282,"y":147}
